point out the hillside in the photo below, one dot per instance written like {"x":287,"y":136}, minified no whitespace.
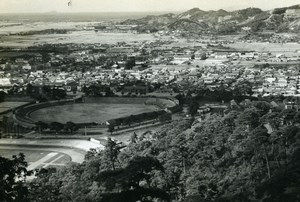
{"x":195,"y":20}
{"x":151,"y":22}
{"x":250,"y":154}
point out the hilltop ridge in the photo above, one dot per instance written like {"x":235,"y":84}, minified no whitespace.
{"x":195,"y":20}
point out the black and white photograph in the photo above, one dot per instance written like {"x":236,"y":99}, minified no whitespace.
{"x":149,"y":100}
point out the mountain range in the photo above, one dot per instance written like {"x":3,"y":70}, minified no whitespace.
{"x":286,"y":19}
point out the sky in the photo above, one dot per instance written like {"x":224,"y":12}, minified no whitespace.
{"x":24,"y":6}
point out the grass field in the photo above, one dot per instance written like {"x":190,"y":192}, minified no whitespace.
{"x":10,"y":105}
{"x":89,"y":112}
{"x":37,"y":158}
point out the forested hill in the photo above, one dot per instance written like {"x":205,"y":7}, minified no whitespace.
{"x":249,"y":154}
{"x":286,"y":19}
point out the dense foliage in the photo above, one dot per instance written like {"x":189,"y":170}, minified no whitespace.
{"x":13,"y":174}
{"x":45,"y":93}
{"x":2,"y":96}
{"x":249,"y":154}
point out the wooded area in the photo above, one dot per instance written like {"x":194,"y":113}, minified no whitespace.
{"x":250,"y":154}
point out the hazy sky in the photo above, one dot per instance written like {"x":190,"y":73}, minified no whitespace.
{"x":7,"y":6}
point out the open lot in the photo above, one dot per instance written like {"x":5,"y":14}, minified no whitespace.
{"x":286,"y":48}
{"x":77,"y":36}
{"x":37,"y":158}
{"x":89,"y":112}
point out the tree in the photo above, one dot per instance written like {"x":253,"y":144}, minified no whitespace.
{"x":133,"y":138}
{"x":272,"y":118}
{"x":109,"y":92}
{"x":58,"y":94}
{"x":223,"y":94}
{"x":249,"y":118}
{"x":261,"y":140}
{"x":262,"y":107}
{"x":130,"y":62}
{"x":203,"y":56}
{"x":133,"y":183}
{"x":193,"y":107}
{"x":288,"y":116}
{"x":111,"y":128}
{"x":45,"y":187}
{"x":165,"y":117}
{"x":45,"y":57}
{"x":13,"y":175}
{"x":242,"y":90}
{"x":221,"y":158}
{"x":112,"y":150}
{"x":2,"y":96}
{"x":180,"y":98}
{"x":56,"y":126}
{"x":129,"y":120}
{"x":284,"y":185}
{"x":70,"y":126}
{"x":297,"y":118}
{"x":5,"y":124}
{"x":41,"y":126}
{"x":29,"y":90}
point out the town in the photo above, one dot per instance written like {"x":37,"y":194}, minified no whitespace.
{"x":200,"y":105}
{"x":150,"y":68}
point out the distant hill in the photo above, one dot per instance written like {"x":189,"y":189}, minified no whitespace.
{"x":195,"y":20}
{"x":151,"y":22}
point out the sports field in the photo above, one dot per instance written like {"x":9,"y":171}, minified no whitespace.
{"x":38,"y":158}
{"x":89,"y":112}
{"x":4,"y":106}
